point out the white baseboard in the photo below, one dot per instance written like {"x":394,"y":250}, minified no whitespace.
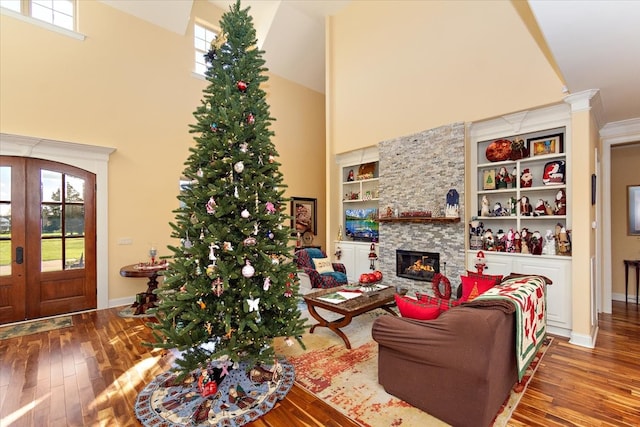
{"x":620,"y":297}
{"x":122,"y":301}
{"x":582,"y":340}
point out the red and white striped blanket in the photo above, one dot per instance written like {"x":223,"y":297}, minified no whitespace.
{"x":528,"y":296}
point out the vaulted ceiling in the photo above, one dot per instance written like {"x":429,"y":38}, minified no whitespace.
{"x":595,"y":44}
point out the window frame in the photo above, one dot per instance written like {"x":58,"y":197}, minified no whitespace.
{"x":24,"y":15}
{"x":198,"y":53}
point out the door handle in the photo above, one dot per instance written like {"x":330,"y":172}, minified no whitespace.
{"x":19,"y":255}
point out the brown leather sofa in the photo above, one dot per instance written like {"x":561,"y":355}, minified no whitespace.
{"x":459,"y":367}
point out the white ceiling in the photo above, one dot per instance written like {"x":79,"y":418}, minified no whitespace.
{"x":596,"y":44}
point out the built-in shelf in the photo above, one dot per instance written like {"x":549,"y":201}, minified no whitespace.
{"x":421,"y":219}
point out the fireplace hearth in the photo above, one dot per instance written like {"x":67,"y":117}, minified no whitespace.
{"x":417,"y":265}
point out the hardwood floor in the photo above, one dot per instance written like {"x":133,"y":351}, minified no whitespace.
{"x":90,"y":375}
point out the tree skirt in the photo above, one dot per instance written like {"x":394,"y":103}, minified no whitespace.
{"x":166,"y":403}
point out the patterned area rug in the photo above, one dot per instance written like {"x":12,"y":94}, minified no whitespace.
{"x":33,"y":327}
{"x":236,"y":400}
{"x":130,"y":312}
{"x":348,"y":379}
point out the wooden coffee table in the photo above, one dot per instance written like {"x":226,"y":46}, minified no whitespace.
{"x":351,"y":308}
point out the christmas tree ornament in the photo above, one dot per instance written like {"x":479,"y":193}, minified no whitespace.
{"x":200,"y":173}
{"x":210,"y":270}
{"x":186,"y":243}
{"x":183,"y":288}
{"x":214,"y":127}
{"x":206,"y":387}
{"x":242,"y":86}
{"x":209,"y":327}
{"x":245,"y":214}
{"x":249,"y":241}
{"x":193,"y":219}
{"x":202,"y":304}
{"x":288,"y":341}
{"x":227,"y":247}
{"x":251,"y":119}
{"x":255,"y":229}
{"x":212,"y":254}
{"x":198,"y":269}
{"x":202,"y":234}
{"x":238,"y":167}
{"x":270,"y":207}
{"x":275,"y":260}
{"x":248,"y":270}
{"x":270,"y":234}
{"x":272,"y":159}
{"x":267,"y":284}
{"x":253,"y":303}
{"x":244,"y":147}
{"x":211,"y":206}
{"x":217,"y":287}
{"x":235,"y":192}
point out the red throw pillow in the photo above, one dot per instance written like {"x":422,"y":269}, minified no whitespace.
{"x":414,"y":309}
{"x":496,"y":277}
{"x":474,"y":286}
{"x":443,"y":304}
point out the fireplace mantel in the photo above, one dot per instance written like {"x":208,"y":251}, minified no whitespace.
{"x":421,"y":219}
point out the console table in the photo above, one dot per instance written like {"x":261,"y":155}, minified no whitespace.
{"x":633,"y":263}
{"x":147,"y":299}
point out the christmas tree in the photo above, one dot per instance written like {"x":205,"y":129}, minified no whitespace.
{"x":231,"y":287}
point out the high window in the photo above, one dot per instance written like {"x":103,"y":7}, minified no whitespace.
{"x":202,"y":38}
{"x":60,"y":13}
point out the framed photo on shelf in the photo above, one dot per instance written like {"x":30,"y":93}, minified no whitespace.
{"x":303,"y":211}
{"x":552,"y":144}
{"x":633,"y":209}
{"x":489,"y":179}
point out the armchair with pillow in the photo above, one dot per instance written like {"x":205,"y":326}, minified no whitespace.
{"x":316,"y":271}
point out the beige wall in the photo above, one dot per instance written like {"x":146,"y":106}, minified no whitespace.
{"x":400,"y":67}
{"x":133,"y":89}
{"x":624,"y":171}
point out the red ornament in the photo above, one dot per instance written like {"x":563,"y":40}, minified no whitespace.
{"x":242,"y":86}
{"x":206,"y":386}
{"x":251,"y":119}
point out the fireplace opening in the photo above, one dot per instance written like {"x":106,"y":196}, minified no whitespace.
{"x":417,"y":265}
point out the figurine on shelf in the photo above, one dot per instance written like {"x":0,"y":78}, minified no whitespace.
{"x":476,"y":230}
{"x":526,"y":179}
{"x":485,"y":210}
{"x":536,"y":243}
{"x":512,"y":206}
{"x":549,"y":247}
{"x":540,"y":209}
{"x":350,"y":177}
{"x":525,"y":238}
{"x":525,"y":206}
{"x":514,"y":178}
{"x":517,"y":242}
{"x":564,"y":243}
{"x":510,"y":243}
{"x":501,"y":241}
{"x":487,"y":241}
{"x":561,"y":203}
{"x":498,"y":210}
{"x":502,"y":178}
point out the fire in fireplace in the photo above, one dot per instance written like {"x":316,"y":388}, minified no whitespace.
{"x":417,"y":265}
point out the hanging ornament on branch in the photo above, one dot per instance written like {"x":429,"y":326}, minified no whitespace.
{"x":242,"y":86}
{"x":248,"y":270}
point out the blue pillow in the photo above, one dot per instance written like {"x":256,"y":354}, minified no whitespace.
{"x":315,"y":253}
{"x":338,"y":275}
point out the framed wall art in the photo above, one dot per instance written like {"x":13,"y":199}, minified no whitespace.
{"x":551,"y":144}
{"x":303,"y":211}
{"x":633,"y":210}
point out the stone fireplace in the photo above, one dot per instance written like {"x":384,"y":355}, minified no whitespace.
{"x":416,"y":172}
{"x":417,"y":265}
